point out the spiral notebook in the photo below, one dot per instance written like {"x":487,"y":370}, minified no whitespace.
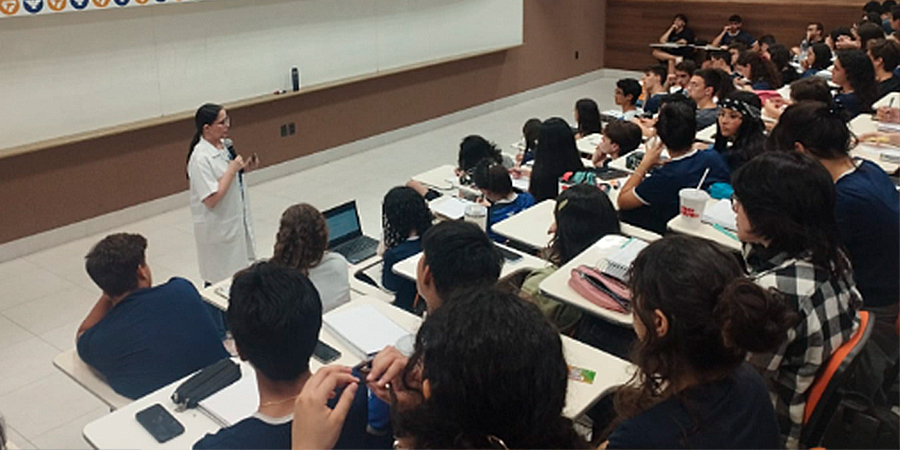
{"x":619,"y":263}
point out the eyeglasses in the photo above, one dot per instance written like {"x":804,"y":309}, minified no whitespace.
{"x":226,"y":121}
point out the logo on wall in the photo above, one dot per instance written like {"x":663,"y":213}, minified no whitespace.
{"x":141,"y":2}
{"x":100,"y":3}
{"x":56,"y":5}
{"x":34,"y":6}
{"x":9,"y":7}
{"x":79,"y":4}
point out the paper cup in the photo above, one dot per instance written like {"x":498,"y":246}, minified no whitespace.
{"x":692,"y":203}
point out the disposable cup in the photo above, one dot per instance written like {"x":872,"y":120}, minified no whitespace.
{"x":692,"y":202}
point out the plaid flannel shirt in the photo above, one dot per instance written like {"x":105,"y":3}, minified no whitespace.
{"x":827,"y":308}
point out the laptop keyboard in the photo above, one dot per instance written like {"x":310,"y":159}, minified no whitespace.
{"x":358,"y":249}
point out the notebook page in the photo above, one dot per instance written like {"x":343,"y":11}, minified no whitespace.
{"x":364,"y":329}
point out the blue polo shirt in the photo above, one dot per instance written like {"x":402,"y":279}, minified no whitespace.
{"x":741,"y":36}
{"x":868,"y":218}
{"x":659,"y":191}
{"x":151,"y":338}
{"x":506,"y":209}
{"x":404,"y":289}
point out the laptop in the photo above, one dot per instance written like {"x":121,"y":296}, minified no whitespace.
{"x":345,"y":233}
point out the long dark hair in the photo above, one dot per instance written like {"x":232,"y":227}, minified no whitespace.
{"x":556,"y":154}
{"x":861,"y":75}
{"x":750,"y":139}
{"x":823,"y":56}
{"x":789,"y":199}
{"x":513,"y":386}
{"x":820,"y":128}
{"x":760,"y":69}
{"x":715,"y":316}
{"x":583,"y":215}
{"x":531,"y":131}
{"x":588,"y":116}
{"x":205,"y":115}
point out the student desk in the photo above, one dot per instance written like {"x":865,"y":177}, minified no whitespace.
{"x":530,"y":226}
{"x":407,"y":267}
{"x":120,"y":429}
{"x":705,"y":231}
{"x":444,"y":180}
{"x":75,"y":368}
{"x":557,"y":284}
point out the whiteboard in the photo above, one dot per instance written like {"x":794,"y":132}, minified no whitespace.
{"x":62,"y":74}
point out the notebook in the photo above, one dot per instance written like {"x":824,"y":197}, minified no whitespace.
{"x":234,"y":403}
{"x":453,"y":208}
{"x":363,"y":329}
{"x":720,"y":213}
{"x":619,"y":262}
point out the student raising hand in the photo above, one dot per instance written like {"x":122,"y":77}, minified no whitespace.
{"x":316,"y":426}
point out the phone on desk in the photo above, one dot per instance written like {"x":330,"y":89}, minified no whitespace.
{"x":159,"y":423}
{"x":325,"y":353}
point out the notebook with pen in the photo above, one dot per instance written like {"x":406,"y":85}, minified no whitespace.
{"x":619,"y":263}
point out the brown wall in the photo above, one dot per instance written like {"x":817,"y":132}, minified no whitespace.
{"x":61,"y":185}
{"x":634,"y":24}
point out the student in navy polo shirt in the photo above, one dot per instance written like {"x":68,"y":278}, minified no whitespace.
{"x":867,"y":209}
{"x":140,"y":337}
{"x":654,"y":88}
{"x":275,"y":316}
{"x":733,"y":32}
{"x":696,"y":317}
{"x":495,"y":184}
{"x":405,"y":217}
{"x":651,"y":201}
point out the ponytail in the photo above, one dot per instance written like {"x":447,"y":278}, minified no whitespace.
{"x":205,"y":115}
{"x":751,"y":318}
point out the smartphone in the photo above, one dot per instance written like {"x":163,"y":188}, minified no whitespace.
{"x":159,"y":422}
{"x":325,"y":353}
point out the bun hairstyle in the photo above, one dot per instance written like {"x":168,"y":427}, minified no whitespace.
{"x":715,"y":316}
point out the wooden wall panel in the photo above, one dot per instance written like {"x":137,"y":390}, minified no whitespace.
{"x":633,"y":24}
{"x":64,"y":184}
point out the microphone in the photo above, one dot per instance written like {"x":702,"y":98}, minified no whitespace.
{"x":229,"y":145}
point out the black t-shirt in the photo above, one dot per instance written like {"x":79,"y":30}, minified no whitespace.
{"x":686,"y":33}
{"x":885,"y":87}
{"x":734,"y":412}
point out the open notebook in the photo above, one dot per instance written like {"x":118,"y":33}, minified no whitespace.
{"x":236,"y":402}
{"x":363,"y":329}
{"x":719,"y":212}
{"x":619,"y":262}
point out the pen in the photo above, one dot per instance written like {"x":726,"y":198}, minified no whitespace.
{"x":724,"y":231}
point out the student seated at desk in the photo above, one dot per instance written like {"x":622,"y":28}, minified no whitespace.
{"x":457,"y":257}
{"x":582,"y":216}
{"x":530,"y":132}
{"x":885,"y":56}
{"x":784,"y":205}
{"x":140,"y":337}
{"x":627,"y":92}
{"x":678,"y":33}
{"x":781,"y":58}
{"x":759,"y":72}
{"x":301,"y":244}
{"x":741,"y":134}
{"x":472,"y":150}
{"x":405,"y":217}
{"x":805,"y":89}
{"x":495,"y":184}
{"x":717,"y":59}
{"x":652,"y":81}
{"x":510,"y":395}
{"x":677,"y":83}
{"x":619,"y":139}
{"x":854,"y":73}
{"x":556,"y":154}
{"x":706,"y":85}
{"x":650,"y":202}
{"x":817,"y":62}
{"x":867,"y":210}
{"x":587,"y":116}
{"x":733,"y":32}
{"x":696,"y":316}
{"x":275,"y":316}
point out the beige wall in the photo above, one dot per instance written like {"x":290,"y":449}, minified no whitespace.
{"x":68,"y":183}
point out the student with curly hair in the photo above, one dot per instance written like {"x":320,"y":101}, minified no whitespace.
{"x":301,"y":243}
{"x":760,"y":72}
{"x":405,"y":218}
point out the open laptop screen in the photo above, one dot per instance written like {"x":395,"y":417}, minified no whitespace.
{"x":343,"y":224}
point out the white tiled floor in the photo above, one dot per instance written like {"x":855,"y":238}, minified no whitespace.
{"x":44,"y":296}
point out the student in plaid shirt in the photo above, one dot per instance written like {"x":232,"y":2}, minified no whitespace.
{"x":785,"y":216}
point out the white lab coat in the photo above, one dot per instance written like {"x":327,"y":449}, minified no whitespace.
{"x":224,"y":234}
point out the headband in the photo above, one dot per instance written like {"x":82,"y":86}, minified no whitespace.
{"x":740,"y":106}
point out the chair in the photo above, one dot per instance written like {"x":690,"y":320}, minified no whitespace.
{"x":825,"y":394}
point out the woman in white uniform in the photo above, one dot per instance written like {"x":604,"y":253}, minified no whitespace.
{"x":219,"y":204}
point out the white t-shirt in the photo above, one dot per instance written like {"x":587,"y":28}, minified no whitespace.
{"x":224,"y":234}
{"x":331,"y":277}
